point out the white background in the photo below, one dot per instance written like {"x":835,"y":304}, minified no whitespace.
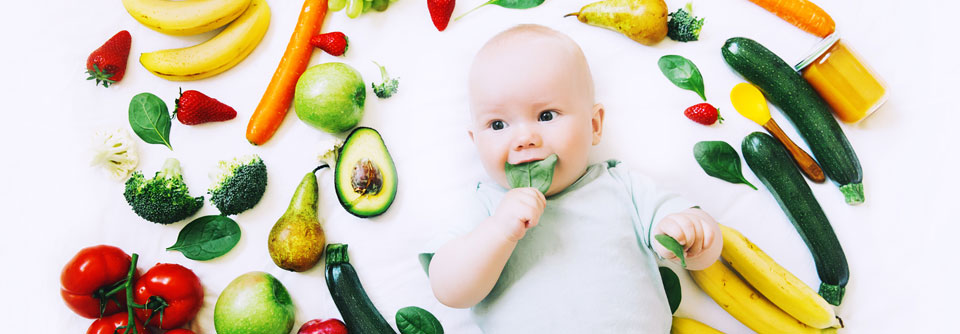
{"x":899,"y":244}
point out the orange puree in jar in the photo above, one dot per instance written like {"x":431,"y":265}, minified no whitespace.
{"x":851,"y":88}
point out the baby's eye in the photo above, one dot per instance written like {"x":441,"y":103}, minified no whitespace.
{"x":548,"y":115}
{"x":497,"y":125}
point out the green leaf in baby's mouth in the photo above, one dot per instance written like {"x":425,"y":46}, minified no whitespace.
{"x":672,"y":245}
{"x":536,"y":174}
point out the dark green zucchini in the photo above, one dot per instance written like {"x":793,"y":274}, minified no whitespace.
{"x":774,"y":167}
{"x":358,"y":312}
{"x":808,"y":112}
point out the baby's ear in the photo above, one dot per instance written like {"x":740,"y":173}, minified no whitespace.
{"x":596,"y":122}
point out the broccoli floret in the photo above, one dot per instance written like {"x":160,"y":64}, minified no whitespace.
{"x":238,"y":184}
{"x":386,"y":88}
{"x":683,"y":26}
{"x":164,"y":199}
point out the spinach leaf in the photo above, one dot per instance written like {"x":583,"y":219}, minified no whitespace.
{"x":720,"y":160}
{"x":207,"y":237}
{"x":415,"y":320}
{"x":536,"y":174}
{"x":671,"y":284}
{"x":683,"y":73}
{"x":150,"y":119}
{"x":512,"y":4}
{"x":516,"y":4}
{"x":672,"y":245}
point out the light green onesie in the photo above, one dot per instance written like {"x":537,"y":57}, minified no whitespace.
{"x":587,"y":267}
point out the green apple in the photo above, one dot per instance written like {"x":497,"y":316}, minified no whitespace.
{"x":255,"y":302}
{"x":330,"y":97}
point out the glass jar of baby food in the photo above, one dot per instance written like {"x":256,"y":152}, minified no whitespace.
{"x":852,"y":89}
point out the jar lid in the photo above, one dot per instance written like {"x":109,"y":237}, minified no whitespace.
{"x":818,"y":50}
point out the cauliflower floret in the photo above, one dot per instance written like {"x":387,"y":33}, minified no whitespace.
{"x":116,"y":152}
{"x":329,"y":151}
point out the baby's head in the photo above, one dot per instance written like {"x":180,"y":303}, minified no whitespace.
{"x":532,"y":95}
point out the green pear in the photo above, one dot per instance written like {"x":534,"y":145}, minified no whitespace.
{"x":255,"y":302}
{"x":644,"y":21}
{"x":296,"y":241}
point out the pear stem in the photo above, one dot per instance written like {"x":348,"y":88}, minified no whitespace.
{"x":320,"y":167}
{"x":572,"y":14}
{"x":475,"y":8}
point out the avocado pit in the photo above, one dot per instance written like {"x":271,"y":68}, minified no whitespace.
{"x":367,"y":178}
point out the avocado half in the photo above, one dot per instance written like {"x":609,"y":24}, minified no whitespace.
{"x":365,"y":176}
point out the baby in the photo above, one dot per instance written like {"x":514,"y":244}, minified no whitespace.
{"x":577,"y":259}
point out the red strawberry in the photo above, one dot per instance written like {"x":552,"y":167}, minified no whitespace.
{"x":108,"y":63}
{"x":334,"y":43}
{"x":194,"y":107}
{"x":703,"y":113}
{"x":440,"y":11}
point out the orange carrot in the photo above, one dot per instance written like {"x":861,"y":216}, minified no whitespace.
{"x":276,"y":100}
{"x":801,"y":13}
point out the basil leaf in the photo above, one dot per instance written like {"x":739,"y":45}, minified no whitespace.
{"x":536,"y":174}
{"x":671,"y":285}
{"x":720,"y":160}
{"x":672,"y":245}
{"x":517,"y":4}
{"x":415,"y":320}
{"x":150,"y":119}
{"x":207,"y":237}
{"x":683,"y":73}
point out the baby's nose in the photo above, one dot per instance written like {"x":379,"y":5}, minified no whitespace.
{"x":527,"y":138}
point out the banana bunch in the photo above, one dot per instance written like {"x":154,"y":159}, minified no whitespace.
{"x":768,"y":299}
{"x":248,"y":21}
{"x":690,"y":326}
{"x":355,"y":7}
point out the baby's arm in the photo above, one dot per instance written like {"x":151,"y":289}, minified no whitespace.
{"x":465,"y":269}
{"x":699,"y":234}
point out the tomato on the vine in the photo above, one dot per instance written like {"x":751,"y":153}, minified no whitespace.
{"x":89,"y":278}
{"x":109,"y":324}
{"x":171,"y":293}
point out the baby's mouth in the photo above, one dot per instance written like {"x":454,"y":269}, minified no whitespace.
{"x":528,"y":159}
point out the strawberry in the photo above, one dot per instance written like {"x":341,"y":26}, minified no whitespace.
{"x":703,"y":113}
{"x":107,"y":63}
{"x":440,"y":11}
{"x":194,"y":107}
{"x":334,"y":43}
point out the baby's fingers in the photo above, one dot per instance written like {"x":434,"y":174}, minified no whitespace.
{"x":663,"y":252}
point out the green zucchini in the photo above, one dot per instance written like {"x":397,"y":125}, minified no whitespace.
{"x":358,"y":312}
{"x":808,"y":112}
{"x":774,"y":167}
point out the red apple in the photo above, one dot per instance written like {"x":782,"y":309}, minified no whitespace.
{"x":318,"y":326}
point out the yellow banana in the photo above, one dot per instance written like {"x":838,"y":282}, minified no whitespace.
{"x":776,"y":283}
{"x":746,"y":304}
{"x":690,"y":326}
{"x":188,"y":17}
{"x":220,"y":53}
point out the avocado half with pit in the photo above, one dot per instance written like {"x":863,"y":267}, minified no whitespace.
{"x":365,"y":177}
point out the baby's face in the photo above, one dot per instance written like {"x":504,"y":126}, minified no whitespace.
{"x":530,"y":99}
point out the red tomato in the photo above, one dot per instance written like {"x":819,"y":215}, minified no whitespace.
{"x":170,"y":287}
{"x":107,"y":325}
{"x":179,"y":331}
{"x":91,"y":273}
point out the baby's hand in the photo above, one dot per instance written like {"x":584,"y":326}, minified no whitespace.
{"x":699,"y":234}
{"x":519,"y":210}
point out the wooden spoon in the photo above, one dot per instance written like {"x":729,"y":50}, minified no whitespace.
{"x":749,"y":102}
